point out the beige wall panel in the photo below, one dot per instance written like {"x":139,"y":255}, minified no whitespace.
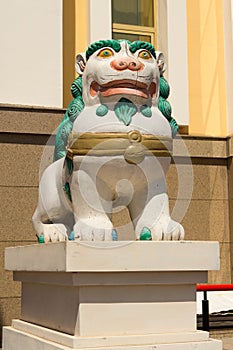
{"x":230,"y":179}
{"x":21,"y":164}
{"x":30,"y":120}
{"x":230,"y":146}
{"x":173,"y":182}
{"x":8,"y":288}
{"x":210,"y":147}
{"x":17,"y":206}
{"x":122,"y":222}
{"x":231,"y":228}
{"x":209,"y":180}
{"x":209,"y":220}
{"x":206,"y":220}
{"x":230,"y":184}
{"x":224,"y":275}
{"x":9,"y":309}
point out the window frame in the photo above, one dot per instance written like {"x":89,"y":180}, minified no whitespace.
{"x":138,"y":30}
{"x":132,"y":29}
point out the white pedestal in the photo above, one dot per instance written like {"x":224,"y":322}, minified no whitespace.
{"x":110,"y":295}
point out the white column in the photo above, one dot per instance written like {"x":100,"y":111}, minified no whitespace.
{"x":178,"y":60}
{"x":31,"y":52}
{"x":100,"y":20}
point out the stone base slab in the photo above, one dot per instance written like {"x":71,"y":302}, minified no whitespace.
{"x":25,"y":336}
{"x":110,"y":295}
{"x":92,"y":289}
{"x":114,"y":256}
{"x":117,"y":304}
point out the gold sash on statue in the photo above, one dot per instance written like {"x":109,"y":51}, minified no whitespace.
{"x":133,"y":145}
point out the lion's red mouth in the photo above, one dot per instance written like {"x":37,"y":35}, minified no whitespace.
{"x":128,"y":87}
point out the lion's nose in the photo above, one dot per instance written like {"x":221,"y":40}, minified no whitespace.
{"x":123,"y":63}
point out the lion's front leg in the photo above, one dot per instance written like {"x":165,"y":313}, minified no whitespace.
{"x":53,"y":217}
{"x":92,"y":221}
{"x":156,"y":220}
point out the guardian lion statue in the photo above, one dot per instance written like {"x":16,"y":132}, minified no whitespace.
{"x":113,"y":149}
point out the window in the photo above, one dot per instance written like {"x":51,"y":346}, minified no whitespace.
{"x":133,"y":20}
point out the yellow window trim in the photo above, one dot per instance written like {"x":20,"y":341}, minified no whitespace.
{"x":131,"y":28}
{"x":135,"y":30}
{"x":75,"y":39}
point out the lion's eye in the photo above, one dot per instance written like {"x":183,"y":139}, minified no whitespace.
{"x":105,"y":53}
{"x":146,"y":55}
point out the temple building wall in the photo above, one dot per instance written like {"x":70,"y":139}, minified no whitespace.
{"x":31,"y":52}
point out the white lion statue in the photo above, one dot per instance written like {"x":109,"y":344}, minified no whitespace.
{"x":113,"y":149}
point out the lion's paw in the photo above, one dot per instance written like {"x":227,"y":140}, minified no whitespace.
{"x":167,"y":231}
{"x":163,"y":230}
{"x":90,"y":231}
{"x":53,"y":233}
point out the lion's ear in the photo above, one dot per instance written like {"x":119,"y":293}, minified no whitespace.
{"x":80,"y":63}
{"x":161,"y":62}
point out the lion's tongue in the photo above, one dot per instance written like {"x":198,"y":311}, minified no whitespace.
{"x":123,"y":90}
{"x":94,"y":88}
